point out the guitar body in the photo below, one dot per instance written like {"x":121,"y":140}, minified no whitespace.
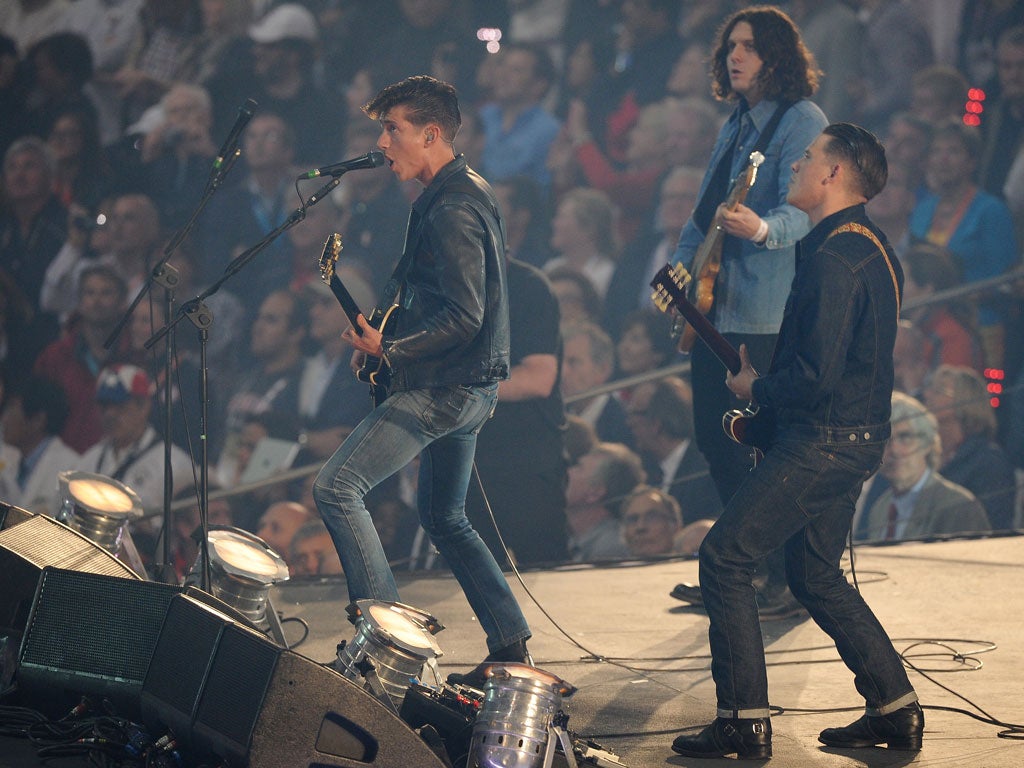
{"x":752,"y":426}
{"x":707,"y":262}
{"x":374,"y":370}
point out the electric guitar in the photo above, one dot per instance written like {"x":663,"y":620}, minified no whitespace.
{"x":752,"y":426}
{"x":374,"y":370}
{"x":708,"y":259}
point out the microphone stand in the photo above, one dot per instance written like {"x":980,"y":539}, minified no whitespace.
{"x":200,"y":316}
{"x":165,"y":275}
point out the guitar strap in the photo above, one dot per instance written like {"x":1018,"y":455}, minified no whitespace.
{"x":860,"y":229}
{"x":718,"y":186}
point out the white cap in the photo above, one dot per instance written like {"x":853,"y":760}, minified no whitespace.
{"x":286,"y":22}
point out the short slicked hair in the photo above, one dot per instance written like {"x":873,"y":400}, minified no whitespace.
{"x":427,"y":99}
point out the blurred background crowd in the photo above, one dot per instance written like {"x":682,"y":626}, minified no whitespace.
{"x":594,"y":120}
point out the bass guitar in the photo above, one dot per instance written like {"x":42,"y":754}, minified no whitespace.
{"x":708,"y":259}
{"x":752,"y":426}
{"x":374,"y":370}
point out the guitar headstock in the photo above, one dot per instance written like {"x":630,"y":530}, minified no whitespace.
{"x":329,"y":257}
{"x":669,"y":286}
{"x":756,"y":161}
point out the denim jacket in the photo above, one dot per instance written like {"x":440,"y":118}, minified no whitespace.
{"x":754,"y":279}
{"x":452,"y":327}
{"x":832,"y":371}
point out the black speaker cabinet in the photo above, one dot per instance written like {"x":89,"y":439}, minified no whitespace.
{"x":229,"y":692}
{"x":90,"y":634}
{"x":31,"y":544}
{"x":11,"y":515}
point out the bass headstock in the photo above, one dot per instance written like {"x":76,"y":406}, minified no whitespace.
{"x":669,"y":286}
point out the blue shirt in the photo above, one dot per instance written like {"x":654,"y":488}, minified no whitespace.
{"x":754,"y":280}
{"x":523,"y":149}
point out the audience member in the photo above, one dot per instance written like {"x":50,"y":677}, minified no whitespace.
{"x":527,"y":219}
{"x":598,"y":484}
{"x":912,"y":359}
{"x":959,"y":399}
{"x":312,"y":552}
{"x":59,"y":69}
{"x":576,"y":295}
{"x":518,"y":129}
{"x":632,"y":186}
{"x":1003,"y":120}
{"x":280,"y":79}
{"x":650,"y":522}
{"x":833,"y":33}
{"x":895,"y":46}
{"x":246,"y":211}
{"x":130,"y":450}
{"x":580,"y":438}
{"x":938,"y":93}
{"x":176,"y":156}
{"x":34,"y":413}
{"x":589,"y":63}
{"x":84,"y":175}
{"x":951,"y":326}
{"x":919,"y":501}
{"x":652,"y":248}
{"x":23,"y":332}
{"x":660,"y":415}
{"x":890,"y":209}
{"x":331,"y":399}
{"x":519,"y":456}
{"x":693,"y":124}
{"x":159,"y":55}
{"x":907,"y":138}
{"x":588,"y":362}
{"x":76,"y":358}
{"x":270,"y":383}
{"x":583,"y":236}
{"x":645,"y":343}
{"x":33,"y":223}
{"x":279,"y":524}
{"x":27,"y":21}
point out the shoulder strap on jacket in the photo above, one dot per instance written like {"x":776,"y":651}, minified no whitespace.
{"x":860,"y":229}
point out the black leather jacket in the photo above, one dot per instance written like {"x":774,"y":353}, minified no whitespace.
{"x":453,"y":323}
{"x":832,"y":373}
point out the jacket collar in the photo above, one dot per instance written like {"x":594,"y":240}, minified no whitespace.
{"x":432,"y":190}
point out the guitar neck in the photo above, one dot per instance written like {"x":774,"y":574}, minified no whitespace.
{"x":716,"y":342}
{"x":348,"y":304}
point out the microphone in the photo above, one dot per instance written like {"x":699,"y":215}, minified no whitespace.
{"x":369,"y":160}
{"x":231,"y":142}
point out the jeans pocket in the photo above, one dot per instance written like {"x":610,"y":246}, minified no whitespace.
{"x":444,"y":411}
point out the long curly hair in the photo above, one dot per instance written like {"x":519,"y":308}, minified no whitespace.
{"x":789,"y":72}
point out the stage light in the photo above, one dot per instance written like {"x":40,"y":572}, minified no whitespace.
{"x":101,"y":509}
{"x":392,"y":644}
{"x":521,"y":720}
{"x":243,"y":567}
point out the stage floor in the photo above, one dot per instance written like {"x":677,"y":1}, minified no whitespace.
{"x":640,"y":658}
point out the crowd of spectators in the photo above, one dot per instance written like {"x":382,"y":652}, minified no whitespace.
{"x":593,"y":118}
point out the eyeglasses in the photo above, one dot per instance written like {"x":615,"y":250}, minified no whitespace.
{"x":906,"y":439}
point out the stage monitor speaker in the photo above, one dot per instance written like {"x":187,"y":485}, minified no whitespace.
{"x":11,"y":515}
{"x":228,"y":692}
{"x":30,"y":545}
{"x":90,"y":634}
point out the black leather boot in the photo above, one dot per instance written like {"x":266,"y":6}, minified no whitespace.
{"x":901,"y":729}
{"x":476,"y":678}
{"x":747,"y":738}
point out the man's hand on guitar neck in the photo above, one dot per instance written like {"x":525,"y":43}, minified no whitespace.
{"x":742,"y":383}
{"x":368,"y":342}
{"x":740,"y":222}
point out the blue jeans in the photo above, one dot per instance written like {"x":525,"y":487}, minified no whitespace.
{"x":441,"y":426}
{"x":801,"y":496}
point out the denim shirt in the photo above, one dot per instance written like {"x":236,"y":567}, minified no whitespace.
{"x":754,"y":279}
{"x":832,"y":367}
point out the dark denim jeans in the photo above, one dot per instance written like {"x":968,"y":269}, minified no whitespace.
{"x":441,"y":426}
{"x":801,"y":496}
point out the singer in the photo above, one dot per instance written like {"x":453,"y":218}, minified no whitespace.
{"x":446,"y":352}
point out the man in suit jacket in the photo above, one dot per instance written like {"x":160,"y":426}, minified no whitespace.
{"x":660,"y":419}
{"x":919,"y":501}
{"x":32,"y":419}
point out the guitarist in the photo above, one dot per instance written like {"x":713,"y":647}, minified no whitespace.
{"x":762,"y":65}
{"x":830,"y":387}
{"x":446,"y":351}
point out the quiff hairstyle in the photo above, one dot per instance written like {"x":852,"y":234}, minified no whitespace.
{"x":426,"y":99}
